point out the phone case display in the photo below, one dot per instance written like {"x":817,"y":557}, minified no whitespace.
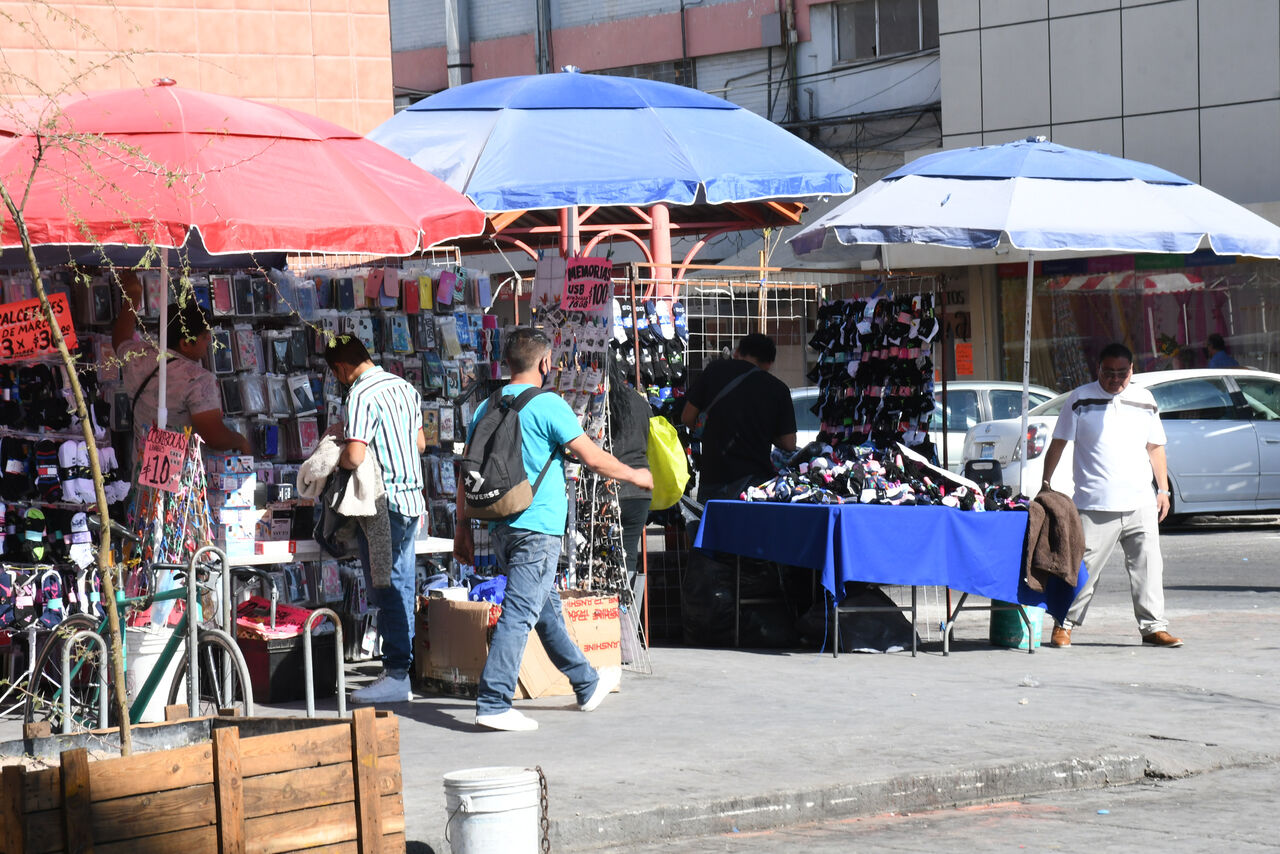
{"x":153,"y":292}
{"x":431,"y":422}
{"x":232,"y":402}
{"x":220,"y":288}
{"x":221,"y":357}
{"x":247,"y":349}
{"x":275,"y":349}
{"x":300,"y":395}
{"x":277,"y":396}
{"x":875,"y":371}
{"x":253,"y":394}
{"x":242,"y":294}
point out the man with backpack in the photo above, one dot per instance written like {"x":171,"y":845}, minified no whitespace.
{"x":384,"y":418}
{"x":744,"y":411}
{"x":520,"y":488}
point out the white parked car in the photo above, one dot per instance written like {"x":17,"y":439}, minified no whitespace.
{"x":968,"y":403}
{"x":1223,"y":427}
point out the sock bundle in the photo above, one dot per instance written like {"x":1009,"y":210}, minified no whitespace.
{"x":35,"y":548}
{"x":15,"y":468}
{"x":115,"y":488}
{"x":54,"y":611}
{"x":48,"y":486}
{"x":80,"y":541}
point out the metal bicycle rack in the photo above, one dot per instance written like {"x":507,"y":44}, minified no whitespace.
{"x":193,"y":642}
{"x":226,"y":621}
{"x":308,"y":668}
{"x":84,"y":634}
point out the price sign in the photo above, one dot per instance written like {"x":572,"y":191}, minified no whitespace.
{"x":587,"y":284}
{"x":162,"y":460}
{"x":24,"y":331}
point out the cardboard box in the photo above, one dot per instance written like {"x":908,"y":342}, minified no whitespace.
{"x":452,"y":643}
{"x":593,"y":623}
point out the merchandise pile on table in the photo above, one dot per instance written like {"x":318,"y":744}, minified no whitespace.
{"x":861,"y":474}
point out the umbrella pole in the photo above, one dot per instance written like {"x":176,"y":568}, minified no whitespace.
{"x":162,"y":408}
{"x":1026,"y":374}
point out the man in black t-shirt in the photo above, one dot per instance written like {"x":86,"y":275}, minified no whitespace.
{"x":744,"y":423}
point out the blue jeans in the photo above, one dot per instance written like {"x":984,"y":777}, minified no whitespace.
{"x":529,"y":560}
{"x":395,"y":603}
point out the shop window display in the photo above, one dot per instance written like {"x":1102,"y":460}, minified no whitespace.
{"x":1163,"y":307}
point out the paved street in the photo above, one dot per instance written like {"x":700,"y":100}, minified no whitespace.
{"x":759,"y":740}
{"x":1217,"y":811}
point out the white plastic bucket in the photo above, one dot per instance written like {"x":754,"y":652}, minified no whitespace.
{"x":492,"y":810}
{"x":142,"y":651}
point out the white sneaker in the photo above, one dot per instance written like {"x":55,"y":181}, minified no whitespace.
{"x":386,"y":689}
{"x":607,"y":678}
{"x":508,"y":721}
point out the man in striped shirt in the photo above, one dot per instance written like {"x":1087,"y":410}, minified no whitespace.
{"x":384,"y":417}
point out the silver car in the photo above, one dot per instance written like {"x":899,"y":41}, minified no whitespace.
{"x":1223,"y":427}
{"x":968,"y":402}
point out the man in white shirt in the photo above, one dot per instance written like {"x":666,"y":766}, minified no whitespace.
{"x":1119,"y":445}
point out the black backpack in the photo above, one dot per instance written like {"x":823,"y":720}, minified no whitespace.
{"x":493,"y":479}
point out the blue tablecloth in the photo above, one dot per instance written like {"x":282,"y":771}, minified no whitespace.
{"x":978,"y":553}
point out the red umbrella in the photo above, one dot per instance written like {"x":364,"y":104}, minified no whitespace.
{"x":147,"y":166}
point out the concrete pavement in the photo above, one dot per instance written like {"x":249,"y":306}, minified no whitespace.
{"x":720,"y":739}
{"x":715,"y":740}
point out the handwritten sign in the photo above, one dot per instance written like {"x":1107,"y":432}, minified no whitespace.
{"x":24,"y":331}
{"x":162,"y":460}
{"x":964,"y":358}
{"x":587,"y":284}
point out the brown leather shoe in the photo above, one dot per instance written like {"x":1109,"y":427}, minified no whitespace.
{"x":1162,"y":639}
{"x":1061,"y":637}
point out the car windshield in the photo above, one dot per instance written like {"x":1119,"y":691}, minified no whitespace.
{"x":1051,"y":407}
{"x":1007,"y":402}
{"x":802,"y":402}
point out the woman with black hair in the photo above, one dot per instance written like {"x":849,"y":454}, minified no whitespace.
{"x":629,"y":414}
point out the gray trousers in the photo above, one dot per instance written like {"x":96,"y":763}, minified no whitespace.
{"x":1138,"y":533}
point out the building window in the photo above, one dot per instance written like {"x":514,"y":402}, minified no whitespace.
{"x":868,"y":29}
{"x":679,"y":72}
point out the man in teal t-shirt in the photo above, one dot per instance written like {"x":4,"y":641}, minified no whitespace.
{"x":527,"y":545}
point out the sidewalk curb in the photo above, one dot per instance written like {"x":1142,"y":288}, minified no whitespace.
{"x":896,"y":794}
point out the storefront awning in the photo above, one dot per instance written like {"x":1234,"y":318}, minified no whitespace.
{"x":1153,"y":283}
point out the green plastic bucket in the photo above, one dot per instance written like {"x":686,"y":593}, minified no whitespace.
{"x":1008,"y":630}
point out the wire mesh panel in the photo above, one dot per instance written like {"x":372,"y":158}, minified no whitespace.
{"x":722,"y":312}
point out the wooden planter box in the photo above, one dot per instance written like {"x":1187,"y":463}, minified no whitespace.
{"x":228,"y":785}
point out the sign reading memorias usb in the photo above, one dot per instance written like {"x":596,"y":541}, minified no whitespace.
{"x":587,"y":284}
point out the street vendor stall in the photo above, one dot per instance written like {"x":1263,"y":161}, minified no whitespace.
{"x":975,"y":553}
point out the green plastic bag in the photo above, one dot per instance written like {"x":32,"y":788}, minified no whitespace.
{"x":667,"y":463}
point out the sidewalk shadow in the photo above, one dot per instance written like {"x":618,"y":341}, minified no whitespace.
{"x":437,"y":710}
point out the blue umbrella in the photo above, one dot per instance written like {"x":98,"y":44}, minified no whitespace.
{"x":1035,"y":195}
{"x":1038,"y":196}
{"x":559,"y":140}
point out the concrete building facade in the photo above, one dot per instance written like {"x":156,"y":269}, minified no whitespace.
{"x":864,"y":99}
{"x":1189,"y":85}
